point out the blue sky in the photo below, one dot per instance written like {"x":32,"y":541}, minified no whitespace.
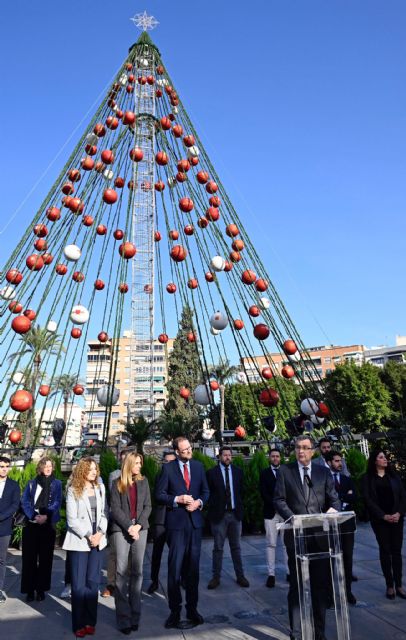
{"x":300,"y":105}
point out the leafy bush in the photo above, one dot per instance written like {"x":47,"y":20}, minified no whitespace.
{"x":206,"y":460}
{"x":107,"y":464}
{"x":150,"y":470}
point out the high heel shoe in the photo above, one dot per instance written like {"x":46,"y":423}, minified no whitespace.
{"x":401,"y":593}
{"x":389,"y":595}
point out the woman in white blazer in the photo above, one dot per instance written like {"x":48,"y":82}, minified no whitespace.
{"x":85,"y":538}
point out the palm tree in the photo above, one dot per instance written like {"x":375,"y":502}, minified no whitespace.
{"x":37,"y":342}
{"x":64,"y":384}
{"x":222,"y":372}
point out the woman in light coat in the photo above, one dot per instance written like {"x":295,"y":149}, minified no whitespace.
{"x":130,"y":507}
{"x":85,"y":538}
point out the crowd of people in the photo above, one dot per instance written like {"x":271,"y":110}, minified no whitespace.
{"x":182,"y":491}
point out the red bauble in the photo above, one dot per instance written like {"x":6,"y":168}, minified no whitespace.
{"x":91,"y":149}
{"x":202,"y":223}
{"x":142,"y":80}
{"x":234,"y":256}
{"x":129,"y":117}
{"x":189,"y":230}
{"x":186,"y":205}
{"x":194,"y":161}
{"x":202,"y":177}
{"x":191,"y":337}
{"x":254,"y":311}
{"x":129,"y":88}
{"x":123,"y":287}
{"x":44,"y":390}
{"x":266,"y":373}
{"x":30,"y":314}
{"x":160,"y":70}
{"x":193,"y":283}
{"x":323,"y":411}
{"x":110,"y":196}
{"x":15,"y":436}
{"x":214,"y":201}
{"x":40,"y":230}
{"x":214,"y":385}
{"x":288,"y":371}
{"x":21,"y":324}
{"x":261,"y":285}
{"x":173,"y":234}
{"x":212,"y":214}
{"x":74,"y":175}
{"x":68,"y":189}
{"x":87,"y":163}
{"x":101,"y":229}
{"x":47,"y":257}
{"x":163,"y":338}
{"x":161,"y":158}
{"x":177,"y":130}
{"x":261,"y":331}
{"x":159,"y":186}
{"x":21,"y":400}
{"x":269,"y":397}
{"x":183,"y":165}
{"x":165,"y":123}
{"x":76,"y":205}
{"x":99,"y":285}
{"x":76,"y":333}
{"x":150,"y":79}
{"x":131,"y":185}
{"x":181,"y":177}
{"x":178,"y":253}
{"x":127,"y":250}
{"x":41,"y":244}
{"x":119,"y":182}
{"x":14,"y":276}
{"x":99,"y":166}
{"x":228,"y":266}
{"x":171,"y":287}
{"x":157,"y":236}
{"x":78,"y":389}
{"x":53,"y":214}
{"x":102,"y":337}
{"x":136,"y":154}
{"x":209,"y":276}
{"x":112,"y":122}
{"x":248,"y":277}
{"x":289,"y":347}
{"x":237,"y":245}
{"x":188,"y":141}
{"x":239,"y":432}
{"x":15,"y":307}
{"x":61,"y":269}
{"x":99,"y":129}
{"x":87,"y":221}
{"x":158,"y":93}
{"x":211,"y":187}
{"x":238,"y":324}
{"x":120,"y":114}
{"x":118,"y":234}
{"x":78,"y":276}
{"x":107,"y":156}
{"x":34,"y":262}
{"x":184,"y":393}
{"x":232,"y":230}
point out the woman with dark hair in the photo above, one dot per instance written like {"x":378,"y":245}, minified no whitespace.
{"x":41,"y":502}
{"x":130,"y":506}
{"x":385,"y":498}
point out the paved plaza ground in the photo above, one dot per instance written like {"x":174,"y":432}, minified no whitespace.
{"x":230,"y":611}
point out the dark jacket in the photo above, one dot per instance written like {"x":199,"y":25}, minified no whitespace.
{"x":9,"y":503}
{"x":289,"y":497}
{"x":120,"y":511}
{"x":368,"y":489}
{"x":54,"y":503}
{"x":267,"y":482}
{"x":345,"y":487}
{"x":170,"y":483}
{"x":217,"y":499}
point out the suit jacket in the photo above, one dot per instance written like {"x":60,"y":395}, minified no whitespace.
{"x":170,"y":483}
{"x":346,"y":485}
{"x":289,"y":496}
{"x":267,"y":482}
{"x":79,"y":519}
{"x":114,"y":475}
{"x":9,"y":503}
{"x":368,"y":488}
{"x":159,"y":513}
{"x":120,"y":509}
{"x":217,"y":499}
{"x":32,"y":491}
{"x":320,"y":461}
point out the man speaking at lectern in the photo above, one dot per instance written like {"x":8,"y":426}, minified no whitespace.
{"x":305,"y":488}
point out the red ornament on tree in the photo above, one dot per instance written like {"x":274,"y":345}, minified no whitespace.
{"x":211,"y":187}
{"x":53,"y":214}
{"x":41,"y":230}
{"x":41,"y":244}
{"x":165,"y":123}
{"x":87,"y":163}
{"x":159,"y":186}
{"x":288,"y":371}
{"x":15,"y":436}
{"x":212,"y":214}
{"x":78,"y":389}
{"x":110,"y":196}
{"x":127,"y":250}
{"x":184,"y":393}
{"x":238,"y":324}
{"x":202,"y":177}
{"x":261,"y":285}
{"x":193,"y":283}
{"x":248,"y":277}
{"x":76,"y":333}
{"x":266,"y":373}
{"x":21,"y":324}
{"x":269,"y":397}
{"x":61,"y":269}
{"x":161,"y":158}
{"x":178,"y":253}
{"x":173,"y":234}
{"x":239,"y":432}
{"x":214,"y":385}
{"x":102,"y":337}
{"x":21,"y":400}
{"x":191,"y":337}
{"x":15,"y":307}
{"x":34,"y":262}
{"x":14,"y":276}
{"x":188,"y":141}
{"x":99,"y":285}
{"x":119,"y":182}
{"x":78,"y":276}
{"x":101,"y":230}
{"x":136,"y":154}
{"x":261,"y":331}
{"x":254,"y":311}
{"x":232,"y":230}
{"x":171,"y":287}
{"x":30,"y":313}
{"x":289,"y":347}
{"x":47,"y":257}
{"x":107,"y":156}
{"x":186,"y":205}
{"x":189,"y":230}
{"x":163,"y":338}
{"x":44,"y":390}
{"x":99,"y":129}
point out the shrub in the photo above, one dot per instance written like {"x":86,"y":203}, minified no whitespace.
{"x":107,"y":464}
{"x":206,"y":460}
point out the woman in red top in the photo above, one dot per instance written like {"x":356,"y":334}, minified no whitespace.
{"x":130,"y":504}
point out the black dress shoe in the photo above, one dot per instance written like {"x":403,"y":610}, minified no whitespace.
{"x":351,"y":599}
{"x":126,"y":631}
{"x":243,"y":582}
{"x":214,"y":583}
{"x":30,"y":597}
{"x":40,"y":596}
{"x":172,"y":621}
{"x":354,"y":578}
{"x":401,"y":594}
{"x":152,"y":587}
{"x":270,"y":582}
{"x":392,"y":595}
{"x":195,"y":617}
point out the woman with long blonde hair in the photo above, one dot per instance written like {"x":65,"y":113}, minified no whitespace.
{"x":130,"y":504}
{"x":85,"y":538}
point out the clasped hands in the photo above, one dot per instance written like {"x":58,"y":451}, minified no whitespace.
{"x":190,"y":503}
{"x":94,"y":539}
{"x":40,"y":519}
{"x":394,"y":518}
{"x":134,"y":531}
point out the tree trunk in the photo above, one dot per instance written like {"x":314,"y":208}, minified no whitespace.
{"x":222,"y":416}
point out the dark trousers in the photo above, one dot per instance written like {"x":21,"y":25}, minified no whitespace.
{"x":68,"y":577}
{"x":157,"y":550}
{"x":184,"y":547}
{"x":319,"y":582}
{"x":228,"y":527}
{"x":37,"y":556}
{"x":85,"y":575}
{"x":4,"y":541}
{"x":389,"y":537}
{"x":347,"y":547}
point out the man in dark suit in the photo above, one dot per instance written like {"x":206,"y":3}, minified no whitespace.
{"x":159,"y":533}
{"x":182,"y":488}
{"x":225,"y":515}
{"x":9,"y":501}
{"x":267,"y":482}
{"x":305,"y":488}
{"x":347,"y":494}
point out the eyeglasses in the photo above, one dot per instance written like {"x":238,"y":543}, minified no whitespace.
{"x":304,"y":448}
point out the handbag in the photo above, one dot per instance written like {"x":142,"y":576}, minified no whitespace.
{"x":20,"y":519}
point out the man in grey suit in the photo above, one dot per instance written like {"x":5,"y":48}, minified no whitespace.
{"x":303,"y":487}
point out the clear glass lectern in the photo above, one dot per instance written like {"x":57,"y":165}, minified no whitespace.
{"x":326,"y":526}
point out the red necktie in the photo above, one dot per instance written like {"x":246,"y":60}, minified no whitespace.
{"x":186,"y":476}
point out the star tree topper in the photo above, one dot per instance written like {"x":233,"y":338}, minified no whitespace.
{"x":144,"y":22}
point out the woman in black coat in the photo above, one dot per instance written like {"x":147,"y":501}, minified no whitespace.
{"x":385,"y":498}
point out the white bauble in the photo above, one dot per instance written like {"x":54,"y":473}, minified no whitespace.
{"x":108,"y":174}
{"x":7,"y":293}
{"x":214,"y":331}
{"x":107,"y":395}
{"x":175,"y":111}
{"x":294,"y":357}
{"x":92,"y":139}
{"x":123,"y":79}
{"x":217,"y":263}
{"x":52,"y":326}
{"x":264,"y":303}
{"x":202,"y":394}
{"x":162,"y":82}
{"x":72,"y":252}
{"x":79,"y":314}
{"x":219,"y":320}
{"x":193,"y":151}
{"x":172,"y":182}
{"x":18,"y":377}
{"x":241,"y":377}
{"x":309,"y":406}
{"x":316,"y":419}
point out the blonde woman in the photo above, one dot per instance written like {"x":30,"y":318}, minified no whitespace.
{"x":85,"y":538}
{"x":130,"y":507}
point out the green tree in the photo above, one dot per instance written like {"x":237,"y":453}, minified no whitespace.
{"x":37,"y":343}
{"x":170,"y":427}
{"x":393,"y":375}
{"x":360,"y":394}
{"x":139,"y":431}
{"x":222,"y":372}
{"x":64,"y":384}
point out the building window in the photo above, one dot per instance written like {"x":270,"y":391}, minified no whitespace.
{"x":327,"y":360}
